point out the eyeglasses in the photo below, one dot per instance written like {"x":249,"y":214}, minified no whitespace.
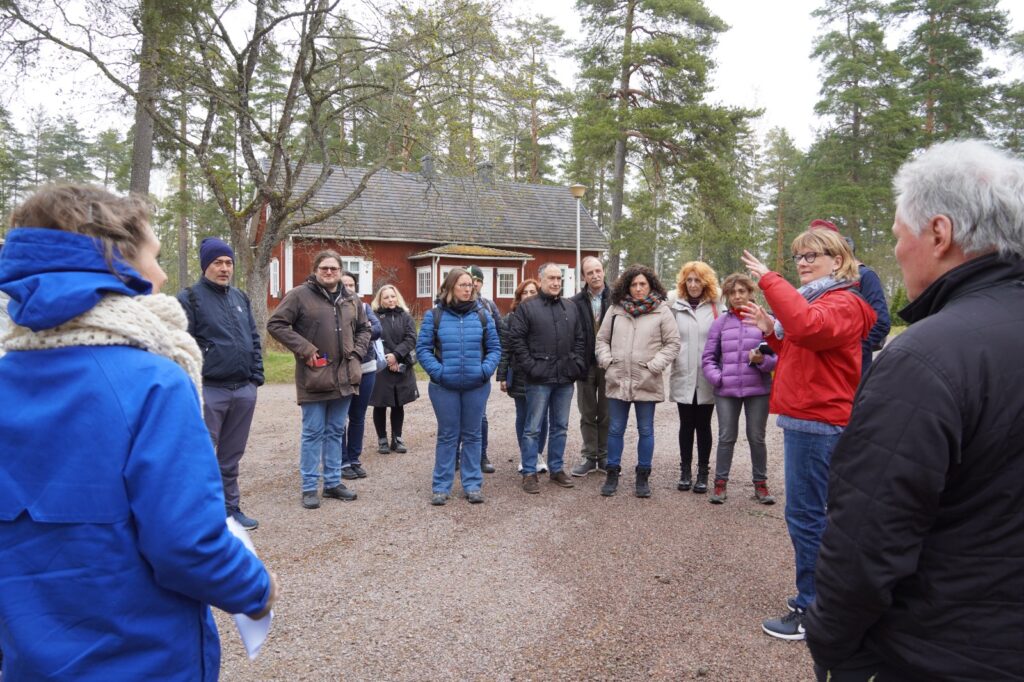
{"x":328,"y":269}
{"x":464,"y":286}
{"x":807,"y":257}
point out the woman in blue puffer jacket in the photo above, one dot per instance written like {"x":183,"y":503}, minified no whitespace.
{"x":459,"y":352}
{"x":113,"y":541}
{"x":742,"y":380}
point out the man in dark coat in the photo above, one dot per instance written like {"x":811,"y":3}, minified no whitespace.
{"x":220,"y":318}
{"x":920,"y":574}
{"x":546,"y":339}
{"x":592,"y":303}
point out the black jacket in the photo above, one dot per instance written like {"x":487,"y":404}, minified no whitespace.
{"x":582,"y":301}
{"x":922,"y":562}
{"x":546,"y":341}
{"x":220,"y":318}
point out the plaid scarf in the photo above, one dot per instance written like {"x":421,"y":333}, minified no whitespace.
{"x":643,"y":306}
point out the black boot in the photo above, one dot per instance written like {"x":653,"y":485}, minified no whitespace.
{"x":701,"y":486}
{"x":643,"y":487}
{"x":382,"y":446}
{"x":685,"y":474}
{"x":611,"y":482}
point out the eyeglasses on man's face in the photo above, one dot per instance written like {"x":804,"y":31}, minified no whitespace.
{"x":328,"y":268}
{"x":807,"y":257}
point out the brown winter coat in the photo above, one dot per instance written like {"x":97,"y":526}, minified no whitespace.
{"x":636,"y":351}
{"x":307,"y":322}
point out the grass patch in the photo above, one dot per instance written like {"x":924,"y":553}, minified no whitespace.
{"x":279,"y":368}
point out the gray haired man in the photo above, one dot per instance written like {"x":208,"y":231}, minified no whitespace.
{"x":920,"y":573}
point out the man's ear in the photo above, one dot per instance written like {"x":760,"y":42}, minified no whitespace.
{"x":940,"y":232}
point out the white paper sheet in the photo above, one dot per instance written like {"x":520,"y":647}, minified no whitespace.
{"x":252,"y":632}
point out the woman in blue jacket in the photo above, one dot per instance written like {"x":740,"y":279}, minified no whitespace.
{"x":459,"y":352}
{"x":112,"y":534}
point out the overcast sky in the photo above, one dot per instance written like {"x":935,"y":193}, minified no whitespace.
{"x":763,"y":62}
{"x":763,"y":59}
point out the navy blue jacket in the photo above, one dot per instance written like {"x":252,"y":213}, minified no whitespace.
{"x":871,"y":290}
{"x":220,"y":318}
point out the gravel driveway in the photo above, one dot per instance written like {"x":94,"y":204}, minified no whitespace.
{"x":565,"y":585}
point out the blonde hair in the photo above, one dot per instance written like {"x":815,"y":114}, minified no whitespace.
{"x":375,"y":303}
{"x":831,"y":244}
{"x":447,"y":294}
{"x":704,"y":273}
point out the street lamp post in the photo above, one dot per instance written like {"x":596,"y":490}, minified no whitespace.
{"x":578,"y":191}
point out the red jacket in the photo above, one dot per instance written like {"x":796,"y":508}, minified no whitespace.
{"x":820,"y":352}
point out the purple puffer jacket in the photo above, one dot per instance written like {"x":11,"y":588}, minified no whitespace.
{"x":726,"y":360}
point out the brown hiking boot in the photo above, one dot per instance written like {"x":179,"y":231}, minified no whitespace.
{"x":562,"y":479}
{"x":761,"y":493}
{"x":531,"y":484}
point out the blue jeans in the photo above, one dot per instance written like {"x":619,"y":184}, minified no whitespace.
{"x":352,"y":444}
{"x":618,"y":416}
{"x":807,"y":457}
{"x":551,"y":402}
{"x":323,"y":427}
{"x":521,"y":427}
{"x":458,"y":414}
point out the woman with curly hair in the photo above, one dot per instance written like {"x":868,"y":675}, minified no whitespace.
{"x":513,"y":383}
{"x":695,"y":309}
{"x":637,"y":342}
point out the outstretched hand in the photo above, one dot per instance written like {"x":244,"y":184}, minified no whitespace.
{"x":754,"y":314}
{"x":756,"y":268}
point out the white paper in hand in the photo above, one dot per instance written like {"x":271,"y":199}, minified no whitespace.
{"x":252,"y":632}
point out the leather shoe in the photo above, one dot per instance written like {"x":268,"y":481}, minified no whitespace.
{"x":486,"y":466}
{"x":340,"y":492}
{"x":562,"y":479}
{"x":531,"y":484}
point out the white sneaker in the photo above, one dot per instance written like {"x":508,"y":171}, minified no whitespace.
{"x":520,"y":467}
{"x":542,"y":465}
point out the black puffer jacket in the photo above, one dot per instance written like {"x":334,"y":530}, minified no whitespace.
{"x":547,"y":341}
{"x":922,"y":563}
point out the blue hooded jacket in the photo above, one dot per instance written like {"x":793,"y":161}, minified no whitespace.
{"x":112,"y":525}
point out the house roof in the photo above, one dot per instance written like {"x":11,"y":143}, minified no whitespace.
{"x":405,"y":206}
{"x":471,"y":251}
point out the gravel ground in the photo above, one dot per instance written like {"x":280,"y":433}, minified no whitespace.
{"x":565,"y":585}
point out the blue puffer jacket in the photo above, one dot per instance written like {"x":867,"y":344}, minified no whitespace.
{"x":112,"y":532}
{"x":465,"y":363}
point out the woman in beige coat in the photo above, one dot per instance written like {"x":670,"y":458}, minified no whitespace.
{"x":637,"y":342}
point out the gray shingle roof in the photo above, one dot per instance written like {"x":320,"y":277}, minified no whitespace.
{"x":404,"y":206}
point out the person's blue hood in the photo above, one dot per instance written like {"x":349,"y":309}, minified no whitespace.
{"x":53,"y":276}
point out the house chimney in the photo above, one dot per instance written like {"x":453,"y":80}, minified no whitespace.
{"x":485,"y":172}
{"x":427,"y":167}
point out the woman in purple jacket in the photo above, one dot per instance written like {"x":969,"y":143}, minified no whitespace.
{"x":741,"y":377}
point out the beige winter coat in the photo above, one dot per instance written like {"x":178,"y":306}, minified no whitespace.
{"x":636,"y":351}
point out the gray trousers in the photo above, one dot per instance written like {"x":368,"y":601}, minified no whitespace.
{"x":228,"y":416}
{"x":756,"y":413}
{"x":593,"y":406}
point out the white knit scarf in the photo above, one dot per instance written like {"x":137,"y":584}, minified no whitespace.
{"x":154,"y":323}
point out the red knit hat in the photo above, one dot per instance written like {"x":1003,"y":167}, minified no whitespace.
{"x":823,"y":224}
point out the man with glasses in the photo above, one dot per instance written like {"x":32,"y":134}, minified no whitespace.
{"x":325,"y":326}
{"x":547,"y":341}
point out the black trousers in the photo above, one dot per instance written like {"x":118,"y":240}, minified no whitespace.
{"x":694,"y":419}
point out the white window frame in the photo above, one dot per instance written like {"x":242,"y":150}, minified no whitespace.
{"x":363,"y":270}
{"x":275,"y":278}
{"x":503,"y":272}
{"x":422,"y":292}
{"x":568,"y":279}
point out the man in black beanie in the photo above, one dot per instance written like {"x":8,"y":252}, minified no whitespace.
{"x":220,"y":318}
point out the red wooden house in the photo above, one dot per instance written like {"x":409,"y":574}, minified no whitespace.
{"x":409,"y":229}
